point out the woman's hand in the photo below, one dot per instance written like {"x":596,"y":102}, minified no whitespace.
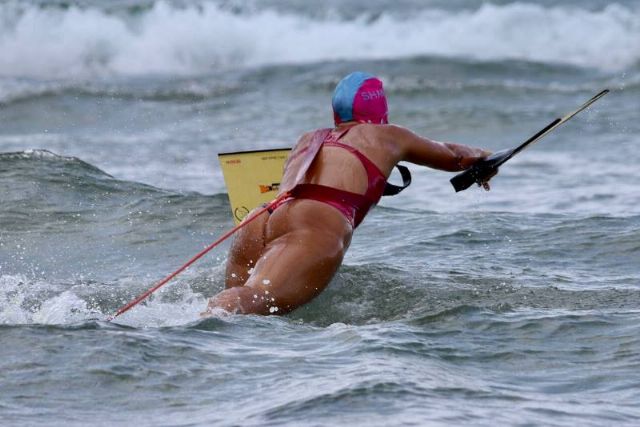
{"x":494,"y":171}
{"x":485,"y":182}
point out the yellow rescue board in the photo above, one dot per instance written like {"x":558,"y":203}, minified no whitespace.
{"x":252,"y":178}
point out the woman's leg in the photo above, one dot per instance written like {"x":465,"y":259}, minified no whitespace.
{"x":246,"y":249}
{"x":292,"y":270}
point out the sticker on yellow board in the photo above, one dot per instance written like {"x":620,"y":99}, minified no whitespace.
{"x":252,"y":178}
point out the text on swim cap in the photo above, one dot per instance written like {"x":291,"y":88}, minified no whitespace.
{"x":372,"y":94}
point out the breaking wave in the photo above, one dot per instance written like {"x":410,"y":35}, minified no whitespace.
{"x":52,"y":42}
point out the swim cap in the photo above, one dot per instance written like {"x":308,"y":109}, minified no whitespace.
{"x":359,"y":97}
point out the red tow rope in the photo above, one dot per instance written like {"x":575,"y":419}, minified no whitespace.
{"x":224,"y":237}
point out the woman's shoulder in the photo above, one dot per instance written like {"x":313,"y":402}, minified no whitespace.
{"x":308,"y":135}
{"x":389,"y":129}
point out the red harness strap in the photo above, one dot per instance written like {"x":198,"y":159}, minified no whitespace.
{"x":199,"y":255}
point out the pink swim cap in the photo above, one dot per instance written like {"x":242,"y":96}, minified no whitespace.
{"x":360,"y":97}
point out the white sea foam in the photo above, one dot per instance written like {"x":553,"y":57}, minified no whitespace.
{"x":54,"y":43}
{"x":15,"y":291}
{"x":28,"y":301}
{"x":157,"y":313}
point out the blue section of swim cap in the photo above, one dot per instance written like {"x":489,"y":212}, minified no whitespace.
{"x":345,"y":94}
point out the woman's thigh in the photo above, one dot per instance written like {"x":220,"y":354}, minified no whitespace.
{"x":283,"y":261}
{"x":292,"y":270}
{"x":246,"y":249}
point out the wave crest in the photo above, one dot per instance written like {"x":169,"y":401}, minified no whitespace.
{"x":165,"y":39}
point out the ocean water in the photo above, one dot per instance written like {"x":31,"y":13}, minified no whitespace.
{"x":519,"y":306}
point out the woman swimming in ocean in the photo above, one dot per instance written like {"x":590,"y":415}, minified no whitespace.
{"x":333,"y":177}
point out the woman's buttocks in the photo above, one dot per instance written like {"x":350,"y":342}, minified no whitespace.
{"x":309,"y":216}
